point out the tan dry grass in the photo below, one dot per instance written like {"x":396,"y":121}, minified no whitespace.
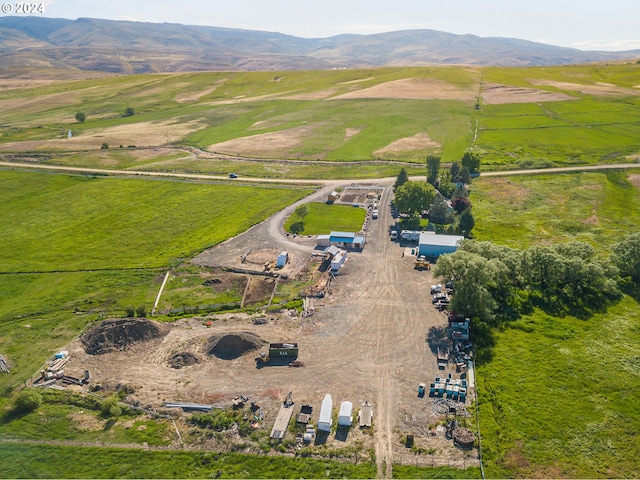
{"x":419,"y":141}
{"x":195,"y":96}
{"x":22,"y":83}
{"x":141,"y":134}
{"x":269,"y":144}
{"x":634,"y":179}
{"x":350,"y":132}
{"x":495,"y":93}
{"x":411,"y":89}
{"x":502,"y":190}
{"x":319,"y":95}
{"x":598,"y":89}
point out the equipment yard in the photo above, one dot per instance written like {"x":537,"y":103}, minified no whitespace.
{"x":373,"y":338}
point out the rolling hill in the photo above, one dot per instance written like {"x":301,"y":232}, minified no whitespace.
{"x":137,"y":47}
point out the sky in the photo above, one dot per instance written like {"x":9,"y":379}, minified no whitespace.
{"x":582,"y":24}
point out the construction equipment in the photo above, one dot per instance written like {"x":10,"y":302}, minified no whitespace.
{"x":422,"y":263}
{"x":278,"y":350}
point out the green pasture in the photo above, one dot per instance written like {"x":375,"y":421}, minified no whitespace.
{"x":54,"y":222}
{"x":72,"y":417}
{"x":590,"y":131}
{"x":49,"y":461}
{"x":520,"y":211}
{"x":558,"y":396}
{"x":324,"y":218}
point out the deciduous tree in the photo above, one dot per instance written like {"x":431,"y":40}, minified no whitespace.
{"x":471,"y":161}
{"x":414,"y":197}
{"x":626,"y":256}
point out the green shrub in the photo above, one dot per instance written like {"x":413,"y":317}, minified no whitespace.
{"x":27,"y":400}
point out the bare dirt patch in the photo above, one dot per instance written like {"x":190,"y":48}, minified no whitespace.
{"x":598,"y":89}
{"x":259,"y":290}
{"x":272,"y":144}
{"x":413,"y":89}
{"x":419,"y":141}
{"x":494,"y":93}
{"x":634,"y":179}
{"x":233,"y":345}
{"x":141,"y":134}
{"x":357,"y":81}
{"x":119,"y":334}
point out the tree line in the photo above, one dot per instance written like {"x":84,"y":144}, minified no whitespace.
{"x":494,"y":283}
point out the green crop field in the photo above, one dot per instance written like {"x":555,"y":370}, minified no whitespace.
{"x":324,"y":218}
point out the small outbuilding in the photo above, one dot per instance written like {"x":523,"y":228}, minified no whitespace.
{"x":345,"y":416}
{"x":434,"y":245}
{"x":324,"y":420}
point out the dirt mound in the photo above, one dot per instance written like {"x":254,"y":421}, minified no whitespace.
{"x":183,"y":359}
{"x":233,"y":345}
{"x":113,"y":335}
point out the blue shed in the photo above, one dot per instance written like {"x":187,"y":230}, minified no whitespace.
{"x":434,"y":245}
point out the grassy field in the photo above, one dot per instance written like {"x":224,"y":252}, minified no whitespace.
{"x":68,"y":259}
{"x":306,"y":116}
{"x":45,"y":461}
{"x":597,"y":208}
{"x":557,"y":395}
{"x":324,"y":218}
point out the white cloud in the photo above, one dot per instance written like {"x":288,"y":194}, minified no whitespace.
{"x":608,"y":45}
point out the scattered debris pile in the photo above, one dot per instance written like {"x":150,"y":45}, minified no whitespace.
{"x":53,"y":375}
{"x":233,"y":345}
{"x":463,"y":438}
{"x":4,"y":366}
{"x":183,"y":359}
{"x":119,"y":334}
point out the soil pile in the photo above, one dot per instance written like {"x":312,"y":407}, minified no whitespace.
{"x":183,"y":359}
{"x":233,"y":345}
{"x":113,"y":335}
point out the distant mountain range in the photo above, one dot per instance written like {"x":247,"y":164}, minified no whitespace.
{"x":137,"y":47}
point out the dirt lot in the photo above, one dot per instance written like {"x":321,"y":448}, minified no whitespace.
{"x":372,"y":338}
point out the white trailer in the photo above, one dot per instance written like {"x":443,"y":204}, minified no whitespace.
{"x":324,"y":420}
{"x":338,"y":260}
{"x":345,"y":416}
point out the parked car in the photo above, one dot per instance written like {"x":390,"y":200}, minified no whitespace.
{"x":233,"y":175}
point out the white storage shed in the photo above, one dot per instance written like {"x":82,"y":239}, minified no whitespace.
{"x":324,"y":420}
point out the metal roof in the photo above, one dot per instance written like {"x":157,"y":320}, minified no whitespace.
{"x":440,"y":240}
